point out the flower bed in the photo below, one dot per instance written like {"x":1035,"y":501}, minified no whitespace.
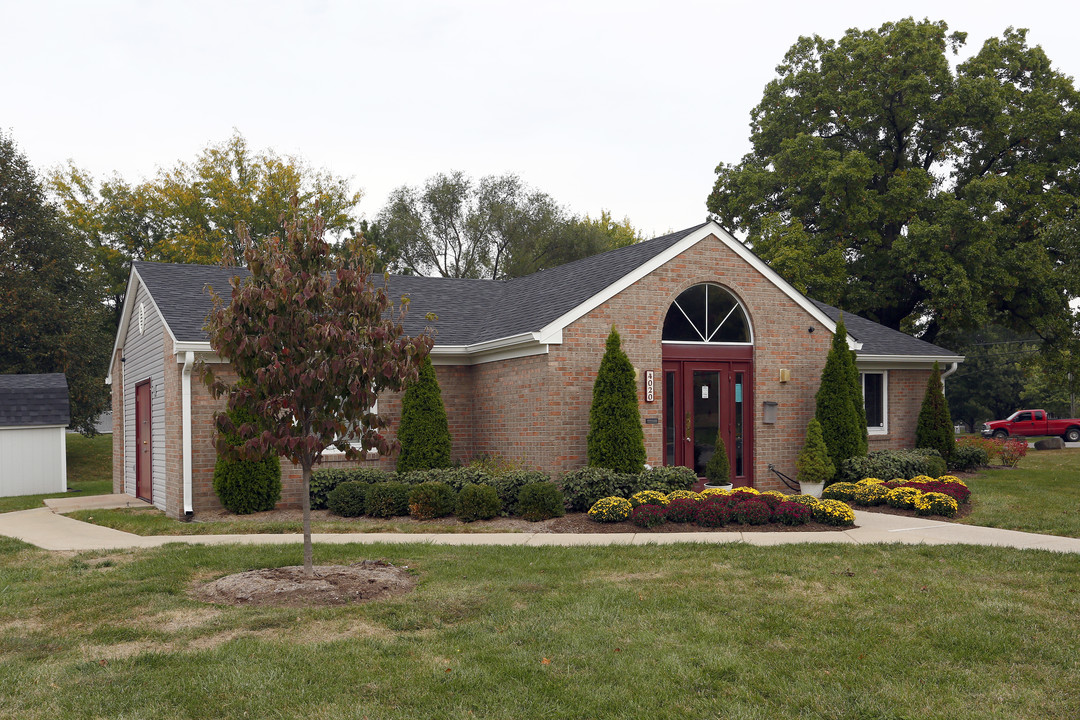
{"x":716,"y":508}
{"x":942,"y":496}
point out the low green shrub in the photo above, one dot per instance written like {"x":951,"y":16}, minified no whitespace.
{"x":477,"y":502}
{"x":349,"y":499}
{"x":891,"y":464}
{"x":610,"y":509}
{"x":583,"y":487}
{"x":968,"y":457}
{"x":387,"y":499}
{"x":509,"y":484}
{"x":665,"y":479}
{"x":247,"y":486}
{"x":324,"y":481}
{"x":431,"y":500}
{"x":541,"y":500}
{"x":455,"y":477}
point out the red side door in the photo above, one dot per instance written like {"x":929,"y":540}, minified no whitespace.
{"x":144,"y":479}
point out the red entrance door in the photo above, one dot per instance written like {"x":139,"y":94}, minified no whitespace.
{"x":702,"y":399}
{"x":144,"y":479}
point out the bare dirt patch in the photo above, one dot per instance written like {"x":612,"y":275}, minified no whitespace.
{"x":290,"y":587}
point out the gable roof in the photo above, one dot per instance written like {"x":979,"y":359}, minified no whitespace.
{"x":475,"y":315}
{"x":33,"y":400}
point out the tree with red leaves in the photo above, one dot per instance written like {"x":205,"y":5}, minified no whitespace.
{"x":312,"y":340}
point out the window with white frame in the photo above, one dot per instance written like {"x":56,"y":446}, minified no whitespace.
{"x":331,"y":450}
{"x":875,"y":390}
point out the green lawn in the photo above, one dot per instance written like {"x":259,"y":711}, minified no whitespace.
{"x":146,"y":521}
{"x":1041,"y":495}
{"x":89,"y":469}
{"x":617,"y":632}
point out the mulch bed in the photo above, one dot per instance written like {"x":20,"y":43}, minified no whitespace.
{"x":291,"y":587}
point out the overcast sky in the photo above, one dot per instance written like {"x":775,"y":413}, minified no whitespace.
{"x":627,"y":106}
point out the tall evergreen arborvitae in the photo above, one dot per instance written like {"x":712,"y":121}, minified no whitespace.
{"x":935,"y":426}
{"x":839,"y":402}
{"x":424,"y":433}
{"x":718,"y":469}
{"x":616,"y":439}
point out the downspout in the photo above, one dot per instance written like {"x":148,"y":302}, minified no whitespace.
{"x":185,"y":404}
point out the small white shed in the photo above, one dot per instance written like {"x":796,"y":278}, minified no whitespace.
{"x":34,"y":415}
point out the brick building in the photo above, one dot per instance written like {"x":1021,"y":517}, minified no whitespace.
{"x":719,"y":340}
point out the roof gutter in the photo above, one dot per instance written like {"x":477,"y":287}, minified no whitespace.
{"x":185,"y":405}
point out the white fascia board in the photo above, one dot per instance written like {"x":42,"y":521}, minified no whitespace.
{"x":513,"y":346}
{"x":134,"y":282}
{"x":712,"y":228}
{"x":905,"y":362}
{"x":32,"y":427}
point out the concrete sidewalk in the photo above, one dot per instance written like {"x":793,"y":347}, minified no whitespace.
{"x":46,"y":528}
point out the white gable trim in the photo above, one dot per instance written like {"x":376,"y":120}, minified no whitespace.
{"x":134,"y":283}
{"x":711,"y":228}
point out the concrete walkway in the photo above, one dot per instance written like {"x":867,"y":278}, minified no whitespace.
{"x":46,"y":528}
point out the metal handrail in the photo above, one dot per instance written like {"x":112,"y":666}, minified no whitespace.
{"x":793,"y":484}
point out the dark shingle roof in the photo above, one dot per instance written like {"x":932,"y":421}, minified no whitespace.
{"x":877,"y":339}
{"x":469,"y":311}
{"x":34,"y":400}
{"x":474,"y":311}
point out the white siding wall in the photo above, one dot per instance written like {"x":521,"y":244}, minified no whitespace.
{"x":32,"y":461}
{"x":144,"y":359}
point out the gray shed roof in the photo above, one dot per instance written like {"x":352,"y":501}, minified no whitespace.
{"x":32,"y":400}
{"x":475,"y":311}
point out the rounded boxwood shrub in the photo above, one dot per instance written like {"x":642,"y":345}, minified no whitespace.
{"x":583,"y":487}
{"x":935,"y":503}
{"x":349,"y":499}
{"x":510,"y":483}
{"x":682,"y":510}
{"x":713,"y":511}
{"x":968,"y":457}
{"x":648,"y":516}
{"x":324,"y":481}
{"x":387,"y":499}
{"x":477,"y":502}
{"x":792,"y":513}
{"x":431,"y":500}
{"x":751,"y":512}
{"x":540,"y":501}
{"x":648,"y":497}
{"x":833,"y":512}
{"x":610,"y":509}
{"x":246,"y":486}
{"x":666,"y":478}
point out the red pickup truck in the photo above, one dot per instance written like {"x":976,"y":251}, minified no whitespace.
{"x":1033,"y":422}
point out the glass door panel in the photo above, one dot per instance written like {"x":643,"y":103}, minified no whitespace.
{"x":706,"y":416}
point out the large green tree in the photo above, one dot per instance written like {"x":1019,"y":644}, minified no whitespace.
{"x":312,"y":342}
{"x":52,"y":319}
{"x":495,"y":227}
{"x":989,"y":384}
{"x":191,"y":212}
{"x":927,"y":198}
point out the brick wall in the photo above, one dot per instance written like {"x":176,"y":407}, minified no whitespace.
{"x":534,"y":410}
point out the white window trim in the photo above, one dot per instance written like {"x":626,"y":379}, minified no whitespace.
{"x":883,"y":429}
{"x":369,"y":455}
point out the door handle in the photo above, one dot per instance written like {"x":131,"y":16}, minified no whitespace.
{"x":689,"y":428}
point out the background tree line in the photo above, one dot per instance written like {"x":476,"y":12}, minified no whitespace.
{"x":69,"y":240}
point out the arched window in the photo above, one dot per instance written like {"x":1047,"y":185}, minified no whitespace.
{"x":706,"y":313}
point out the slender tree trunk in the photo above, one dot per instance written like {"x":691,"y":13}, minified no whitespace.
{"x":305,"y":504}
